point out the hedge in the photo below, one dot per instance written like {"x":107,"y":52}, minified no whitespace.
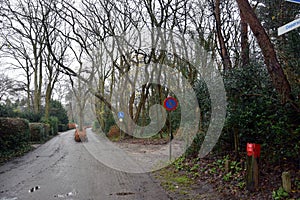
{"x":54,"y":125}
{"x":96,"y":125}
{"x":53,"y":122}
{"x":37,"y":132}
{"x":62,"y":127}
{"x":14,"y":135}
{"x":47,"y":128}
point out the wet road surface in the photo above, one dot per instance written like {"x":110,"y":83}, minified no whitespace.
{"x":64,"y":169}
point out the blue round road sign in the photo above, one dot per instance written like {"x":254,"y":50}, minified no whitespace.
{"x":121,"y":115}
{"x":170,"y":103}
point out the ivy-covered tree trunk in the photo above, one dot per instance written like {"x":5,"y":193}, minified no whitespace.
{"x":275,"y":70}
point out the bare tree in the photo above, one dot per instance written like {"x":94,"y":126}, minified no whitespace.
{"x":223,"y":48}
{"x":31,"y":40}
{"x":8,"y":87}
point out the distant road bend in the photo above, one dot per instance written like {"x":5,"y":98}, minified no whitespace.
{"x":64,"y":169}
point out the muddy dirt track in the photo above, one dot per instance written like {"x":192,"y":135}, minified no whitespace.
{"x":64,"y":169}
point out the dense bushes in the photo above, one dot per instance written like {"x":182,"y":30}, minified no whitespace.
{"x":53,"y":122}
{"x":58,"y":115}
{"x":38,"y":132}
{"x":14,"y":136}
{"x":96,"y":125}
{"x":62,"y":127}
{"x":105,"y":120}
{"x":30,"y":116}
{"x":57,"y":110}
{"x":7,"y":111}
{"x":257,"y":115}
{"x":254,"y":114}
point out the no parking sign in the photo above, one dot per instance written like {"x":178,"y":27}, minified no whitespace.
{"x":170,"y":103}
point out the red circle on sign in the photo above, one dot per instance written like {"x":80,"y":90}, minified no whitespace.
{"x":170,"y":103}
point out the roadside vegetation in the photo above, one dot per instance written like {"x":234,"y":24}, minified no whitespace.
{"x":19,"y":129}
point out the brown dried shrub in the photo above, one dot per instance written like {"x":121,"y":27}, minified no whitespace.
{"x":114,"y":132}
{"x":80,"y":136}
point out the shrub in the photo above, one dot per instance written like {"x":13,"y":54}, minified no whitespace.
{"x":31,"y":116}
{"x":7,"y":111}
{"x":54,"y":125}
{"x":57,"y":110}
{"x":14,"y":136}
{"x":62,"y":127}
{"x":80,"y":136}
{"x":255,"y":112}
{"x":53,"y":122}
{"x":37,"y":132}
{"x":96,"y":125}
{"x":114,"y":132}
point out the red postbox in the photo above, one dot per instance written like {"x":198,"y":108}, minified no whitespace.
{"x":253,"y":150}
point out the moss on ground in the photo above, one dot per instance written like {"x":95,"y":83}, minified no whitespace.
{"x":173,"y":181}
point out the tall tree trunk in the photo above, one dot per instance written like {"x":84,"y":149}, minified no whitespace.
{"x":144,"y":93}
{"x":224,"y":52}
{"x":81,"y":117}
{"x":244,"y":42}
{"x":131,"y":104}
{"x":40,"y":83}
{"x":36,"y":93}
{"x":47,"y":101}
{"x":275,"y":70}
{"x":38,"y":79}
{"x":28,"y":87}
{"x":102,"y":116}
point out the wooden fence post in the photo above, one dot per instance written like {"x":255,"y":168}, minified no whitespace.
{"x":286,"y":181}
{"x":227,"y":166}
{"x":252,"y":175}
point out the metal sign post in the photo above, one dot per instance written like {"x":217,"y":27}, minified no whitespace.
{"x":170,"y":104}
{"x":121,"y":116}
{"x":170,"y":136}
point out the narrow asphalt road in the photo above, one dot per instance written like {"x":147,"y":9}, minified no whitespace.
{"x":64,"y":169}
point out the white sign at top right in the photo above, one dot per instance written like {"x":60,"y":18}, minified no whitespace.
{"x":289,"y":26}
{"x":294,"y":1}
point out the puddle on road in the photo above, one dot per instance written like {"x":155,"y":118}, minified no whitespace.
{"x":69,"y":194}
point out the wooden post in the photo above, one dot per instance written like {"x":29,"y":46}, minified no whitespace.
{"x":226,"y":166}
{"x":252,"y":175}
{"x":286,"y":181}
